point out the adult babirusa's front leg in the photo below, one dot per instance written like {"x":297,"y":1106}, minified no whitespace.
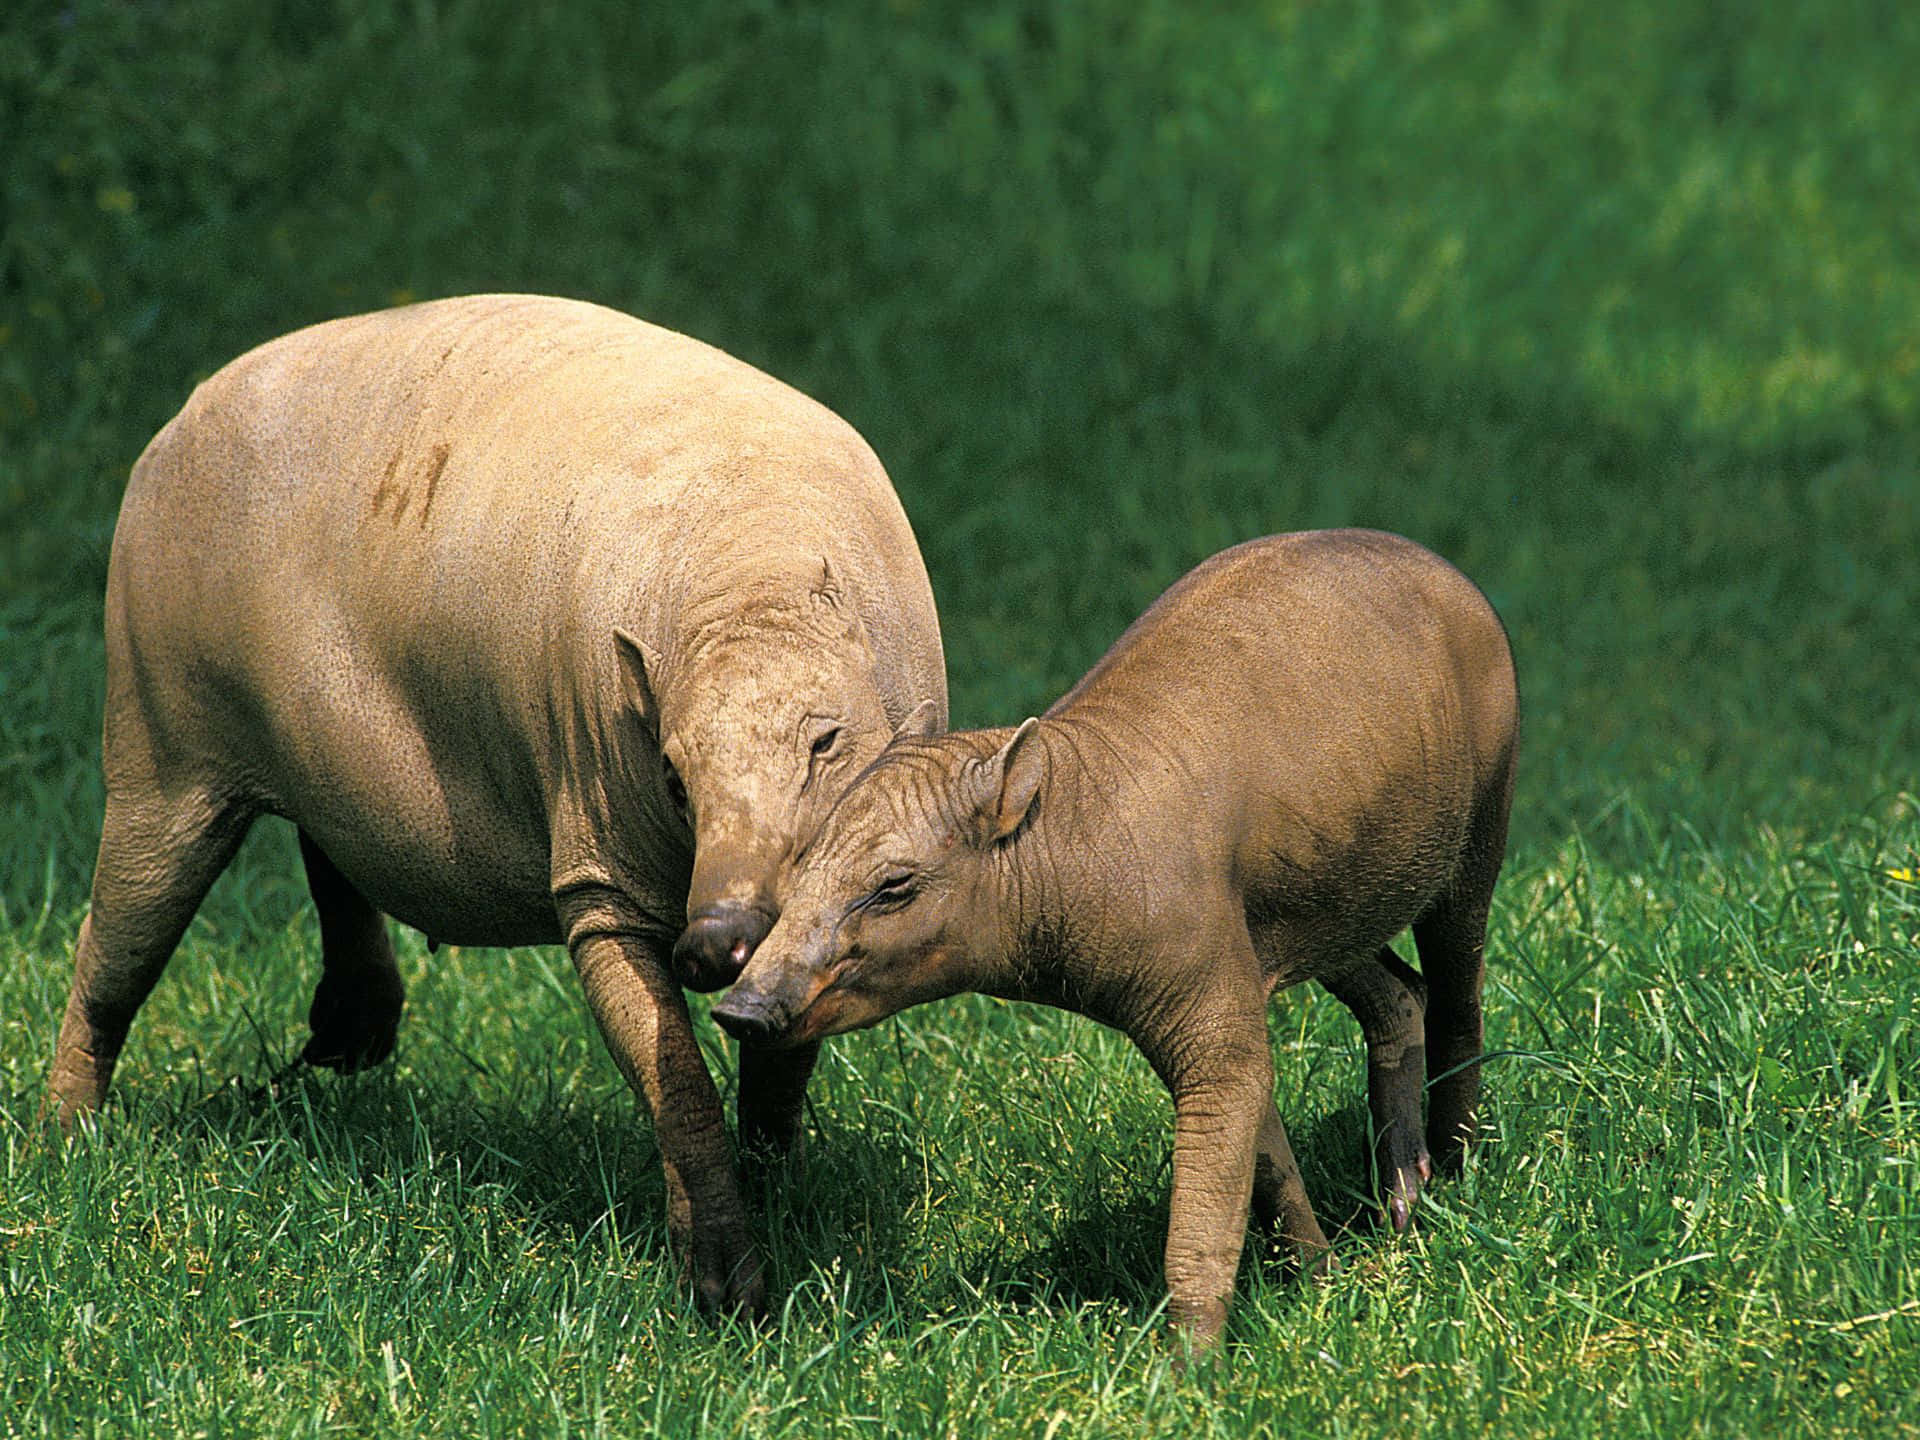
{"x":643,"y":1017}
{"x":356,"y":1006}
{"x":773,"y":1098}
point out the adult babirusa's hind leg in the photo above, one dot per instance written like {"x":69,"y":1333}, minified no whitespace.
{"x":356,"y":1006}
{"x":159,"y":855}
{"x":1452,"y":938}
{"x":1386,"y":996}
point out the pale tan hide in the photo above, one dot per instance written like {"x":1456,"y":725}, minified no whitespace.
{"x":1305,"y":746}
{"x":531,"y":616}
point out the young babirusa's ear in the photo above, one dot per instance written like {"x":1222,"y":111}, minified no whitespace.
{"x":1005,"y":784}
{"x":922,"y":722}
{"x":637,"y":661}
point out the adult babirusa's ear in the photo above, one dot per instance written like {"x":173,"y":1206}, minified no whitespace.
{"x":826,"y":589}
{"x":638,"y":660}
{"x":922,"y":722}
{"x":1004,"y":785}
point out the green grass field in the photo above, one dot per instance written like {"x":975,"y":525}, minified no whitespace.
{"x":1618,"y":307}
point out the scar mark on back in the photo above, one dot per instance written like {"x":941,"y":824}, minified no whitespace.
{"x":435,"y":465}
{"x":386,"y":486}
{"x":390,"y":488}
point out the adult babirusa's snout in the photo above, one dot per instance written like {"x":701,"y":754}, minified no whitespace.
{"x":717,"y":943}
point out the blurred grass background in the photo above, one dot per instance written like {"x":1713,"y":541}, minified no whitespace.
{"x":1618,"y":307}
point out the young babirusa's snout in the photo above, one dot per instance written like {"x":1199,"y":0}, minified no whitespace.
{"x":1303,"y":748}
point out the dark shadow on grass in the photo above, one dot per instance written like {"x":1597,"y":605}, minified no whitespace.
{"x":1111,"y":1250}
{"x":572,"y":1164}
{"x":836,"y":1231}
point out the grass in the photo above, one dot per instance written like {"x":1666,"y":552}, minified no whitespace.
{"x":1613,"y":309}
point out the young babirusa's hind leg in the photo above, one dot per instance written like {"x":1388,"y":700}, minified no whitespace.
{"x":1452,"y":937}
{"x":356,"y":1006}
{"x":159,"y":855}
{"x":1386,"y":997}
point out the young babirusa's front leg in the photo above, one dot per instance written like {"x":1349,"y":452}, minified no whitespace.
{"x":1220,"y":1071}
{"x":1280,"y":1203}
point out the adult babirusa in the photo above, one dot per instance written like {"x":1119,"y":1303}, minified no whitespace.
{"x":543,"y":625}
{"x":1305,"y":746}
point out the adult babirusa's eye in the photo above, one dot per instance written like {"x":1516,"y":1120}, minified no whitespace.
{"x":676,"y":787}
{"x":825,"y":741}
{"x":895,"y":890}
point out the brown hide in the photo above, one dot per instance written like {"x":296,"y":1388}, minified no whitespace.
{"x":452,"y":587}
{"x":1304,"y":747}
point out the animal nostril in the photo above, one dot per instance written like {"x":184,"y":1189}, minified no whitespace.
{"x":714,"y":948}
{"x":745,"y":1017}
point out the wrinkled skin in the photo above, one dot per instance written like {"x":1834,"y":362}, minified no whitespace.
{"x":543,"y":625}
{"x":1304,"y":747}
